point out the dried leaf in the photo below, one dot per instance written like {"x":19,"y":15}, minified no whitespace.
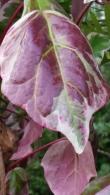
{"x":2,"y":175}
{"x":7,"y":138}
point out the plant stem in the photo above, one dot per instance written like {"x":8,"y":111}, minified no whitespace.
{"x":77,"y":6}
{"x":12,"y":19}
{"x":18,"y":162}
{"x":82,"y":13}
{"x":107,"y":154}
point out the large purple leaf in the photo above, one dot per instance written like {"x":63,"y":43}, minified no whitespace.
{"x":66,"y":172}
{"x":32,"y":132}
{"x":47,"y":68}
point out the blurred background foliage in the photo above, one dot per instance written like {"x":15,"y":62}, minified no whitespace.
{"x":96,"y":27}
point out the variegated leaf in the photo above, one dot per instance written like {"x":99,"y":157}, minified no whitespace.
{"x":48,"y":69}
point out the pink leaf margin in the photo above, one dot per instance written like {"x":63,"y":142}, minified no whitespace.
{"x":32,"y":132}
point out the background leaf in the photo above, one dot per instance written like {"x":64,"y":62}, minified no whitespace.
{"x":6,"y":11}
{"x":32,"y":132}
{"x":17,"y":179}
{"x":107,"y":16}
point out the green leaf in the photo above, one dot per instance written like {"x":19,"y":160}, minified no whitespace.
{"x":107,"y":16}
{"x":17,"y":178}
{"x":95,"y":22}
{"x":100,"y":43}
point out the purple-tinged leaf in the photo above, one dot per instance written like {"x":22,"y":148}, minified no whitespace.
{"x":47,"y":68}
{"x":66,"y":172}
{"x":32,"y":132}
{"x":2,"y":2}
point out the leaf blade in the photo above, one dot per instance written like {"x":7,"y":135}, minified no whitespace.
{"x":65,"y":171}
{"x":60,"y":81}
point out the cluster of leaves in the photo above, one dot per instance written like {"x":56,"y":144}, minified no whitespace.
{"x":60,"y":88}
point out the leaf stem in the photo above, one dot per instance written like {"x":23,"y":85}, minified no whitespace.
{"x":82,"y":13}
{"x":37,"y":150}
{"x":107,"y":154}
